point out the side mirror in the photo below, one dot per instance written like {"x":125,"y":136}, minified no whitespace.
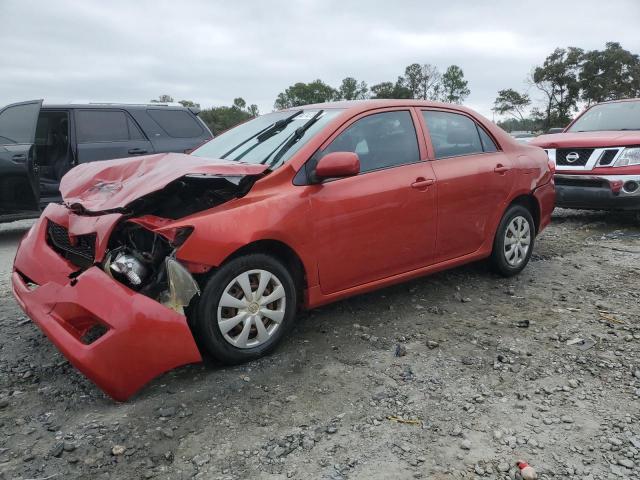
{"x":555,"y":130}
{"x":338,"y":164}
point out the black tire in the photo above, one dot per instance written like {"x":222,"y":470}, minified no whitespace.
{"x":498,"y":259}
{"x":207,"y":330}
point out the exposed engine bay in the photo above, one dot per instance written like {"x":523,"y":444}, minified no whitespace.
{"x":145,"y":262}
{"x":191,"y":194}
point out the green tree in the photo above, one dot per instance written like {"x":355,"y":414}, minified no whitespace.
{"x":163,"y":99}
{"x":253,"y":110}
{"x":219,"y":119}
{"x":239,"y":103}
{"x":413,"y":79}
{"x":351,"y":89}
{"x":454,"y":88}
{"x":424,"y":81}
{"x":510,"y":102}
{"x":305,"y":94}
{"x":396,"y":90}
{"x":609,"y":74}
{"x":189,"y":103}
{"x":557,"y":79}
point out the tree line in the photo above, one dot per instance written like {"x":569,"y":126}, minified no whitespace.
{"x":570,"y":78}
{"x":419,"y":81}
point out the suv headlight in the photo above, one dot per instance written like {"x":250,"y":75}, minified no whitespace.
{"x":629,"y":156}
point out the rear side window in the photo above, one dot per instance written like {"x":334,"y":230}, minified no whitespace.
{"x":17,"y":123}
{"x":381,"y":140}
{"x":454,"y":135}
{"x":176,"y":123}
{"x":488,"y":145}
{"x":105,"y":126}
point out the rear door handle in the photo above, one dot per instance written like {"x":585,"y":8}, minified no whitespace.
{"x":423,"y":183}
{"x":501,"y":169}
{"x":19,"y":157}
{"x":137,"y":151}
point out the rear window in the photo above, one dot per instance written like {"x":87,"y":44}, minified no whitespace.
{"x":18,"y":123}
{"x":105,"y":126}
{"x":176,"y":123}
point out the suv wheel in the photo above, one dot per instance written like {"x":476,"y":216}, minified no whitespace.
{"x":247,"y":307}
{"x":513,"y":244}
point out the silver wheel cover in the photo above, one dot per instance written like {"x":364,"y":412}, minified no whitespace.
{"x":517,"y":241}
{"x":251,"y":308}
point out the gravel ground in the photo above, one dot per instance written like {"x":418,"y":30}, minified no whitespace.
{"x":456,"y":375}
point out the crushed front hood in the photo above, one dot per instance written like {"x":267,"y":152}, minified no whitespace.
{"x":114,"y":184}
{"x":588,"y":139}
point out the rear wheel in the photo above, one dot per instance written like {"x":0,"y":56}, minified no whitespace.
{"x":513,"y":244}
{"x":247,"y":307}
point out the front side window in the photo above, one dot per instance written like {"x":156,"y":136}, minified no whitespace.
{"x":381,"y":140}
{"x":454,"y":135}
{"x":102,"y":126}
{"x":270,"y":139}
{"x":609,"y":116}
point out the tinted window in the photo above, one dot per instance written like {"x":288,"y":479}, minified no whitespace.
{"x":134,"y":131}
{"x":176,"y":123}
{"x":102,"y":126}
{"x":452,"y":134}
{"x":381,"y":140}
{"x":488,"y":145}
{"x":18,"y":123}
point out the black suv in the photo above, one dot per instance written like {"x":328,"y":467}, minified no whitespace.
{"x":39,"y":144}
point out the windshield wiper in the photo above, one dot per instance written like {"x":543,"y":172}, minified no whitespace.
{"x":295,"y":136}
{"x":265,"y":133}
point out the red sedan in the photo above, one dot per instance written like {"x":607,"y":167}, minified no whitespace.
{"x":148,"y":261}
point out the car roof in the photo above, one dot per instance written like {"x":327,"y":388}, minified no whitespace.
{"x":364,"y":105}
{"x":126,"y":106}
{"x":619,"y":101}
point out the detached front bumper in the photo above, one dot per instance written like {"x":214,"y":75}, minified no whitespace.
{"x":598,"y":192}
{"x":137,"y":338}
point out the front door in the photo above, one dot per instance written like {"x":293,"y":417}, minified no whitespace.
{"x":474,"y":182}
{"x":381,"y":222}
{"x":19,"y":183}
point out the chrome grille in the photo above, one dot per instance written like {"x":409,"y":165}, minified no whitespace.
{"x":577,"y":157}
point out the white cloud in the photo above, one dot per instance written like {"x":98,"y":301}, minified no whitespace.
{"x":214,"y":51}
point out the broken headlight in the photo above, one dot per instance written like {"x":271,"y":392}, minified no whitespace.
{"x":125,"y":266}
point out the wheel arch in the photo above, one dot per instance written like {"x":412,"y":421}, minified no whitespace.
{"x":530,"y":202}
{"x":280,"y":250}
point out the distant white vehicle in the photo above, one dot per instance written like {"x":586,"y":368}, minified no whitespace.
{"x":523,"y":137}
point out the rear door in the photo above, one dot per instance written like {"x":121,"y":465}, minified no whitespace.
{"x":105,"y":134}
{"x":19,"y":180}
{"x":474,"y":180}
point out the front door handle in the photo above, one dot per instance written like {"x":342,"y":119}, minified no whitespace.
{"x":137,"y":151}
{"x":501,"y":169}
{"x":422,"y":183}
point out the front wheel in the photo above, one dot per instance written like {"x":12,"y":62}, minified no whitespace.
{"x":246,"y":308}
{"x":513,"y":243}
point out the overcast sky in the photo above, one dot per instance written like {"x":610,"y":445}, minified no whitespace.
{"x":214,"y":51}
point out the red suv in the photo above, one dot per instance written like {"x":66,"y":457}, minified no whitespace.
{"x":296,"y":208}
{"x":597,"y":158}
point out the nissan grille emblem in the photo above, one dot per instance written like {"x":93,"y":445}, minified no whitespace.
{"x":572,"y":157}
